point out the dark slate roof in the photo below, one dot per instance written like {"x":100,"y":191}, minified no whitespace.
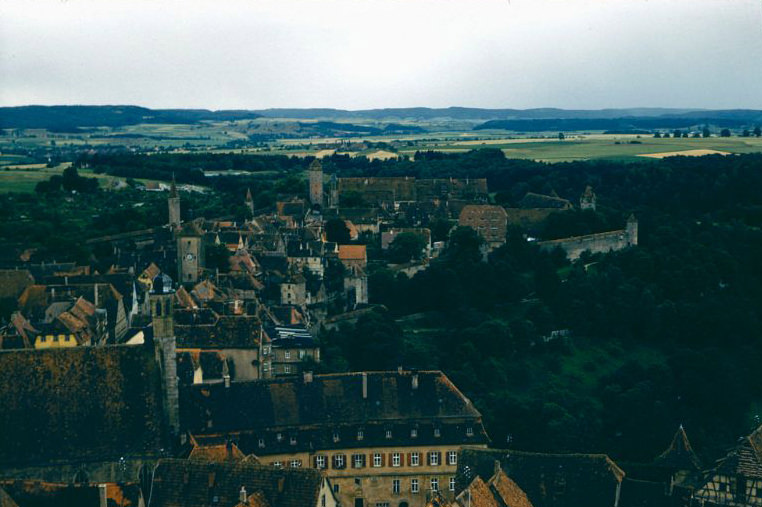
{"x":679,"y":455}
{"x":181,"y":483}
{"x":13,"y":282}
{"x":313,"y":411}
{"x":290,"y":337}
{"x":81,"y":403}
{"x":746,"y":458}
{"x":6,"y":500}
{"x":549,"y":480}
{"x":43,"y":494}
{"x":225,"y":331}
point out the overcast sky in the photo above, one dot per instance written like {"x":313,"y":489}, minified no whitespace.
{"x":357,"y":54}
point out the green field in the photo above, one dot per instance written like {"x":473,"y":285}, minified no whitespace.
{"x":23,"y":178}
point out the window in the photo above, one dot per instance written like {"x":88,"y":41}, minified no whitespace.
{"x":396,"y":486}
{"x":322,"y":500}
{"x":382,"y":504}
{"x":437,"y":433}
{"x":292,"y":441}
{"x":301,"y":354}
{"x":388,"y":433}
{"x":261,"y":443}
{"x":287,"y":369}
{"x":434,"y":458}
{"x":287,"y":354}
{"x":415,"y":459}
{"x":296,"y":463}
{"x":360,"y":435}
{"x":396,"y":459}
{"x":279,"y":437}
{"x":42,"y":339}
{"x":265,"y":350}
{"x":414,"y":485}
{"x":335,"y":436}
{"x":339,"y":461}
{"x":413,"y":433}
{"x":335,"y":488}
{"x":358,"y":460}
{"x":320,"y":462}
{"x":469,"y":431}
{"x":452,"y":483}
{"x":434,"y":484}
{"x":377,"y":460}
{"x":266,"y":366}
{"x":277,"y":464}
{"x":452,"y":457}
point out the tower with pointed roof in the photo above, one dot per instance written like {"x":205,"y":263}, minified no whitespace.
{"x":250,"y":202}
{"x":190,"y":253}
{"x":316,"y":183}
{"x":587,"y":199}
{"x":161,"y":298}
{"x":174,"y":205}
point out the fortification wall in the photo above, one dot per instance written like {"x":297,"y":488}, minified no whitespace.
{"x":596,"y":243}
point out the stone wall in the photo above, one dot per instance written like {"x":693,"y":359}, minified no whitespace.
{"x":595,"y":243}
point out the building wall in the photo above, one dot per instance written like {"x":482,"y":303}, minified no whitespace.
{"x":54,"y":341}
{"x":293,"y":294}
{"x":375,"y":484}
{"x":316,"y":186}
{"x":724,"y":490}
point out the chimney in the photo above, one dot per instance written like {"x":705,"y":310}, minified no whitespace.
{"x":414,"y":381}
{"x":497,"y":468}
{"x":242,"y":494}
{"x":307,"y":377}
{"x":364,"y":386}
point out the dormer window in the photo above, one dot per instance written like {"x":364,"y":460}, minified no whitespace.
{"x":360,"y":434}
{"x":335,"y":436}
{"x":469,"y":431}
{"x":413,"y":433}
{"x":279,"y":437}
{"x":437,"y":433}
{"x":261,"y":443}
{"x":388,"y":433}
{"x":293,"y":441}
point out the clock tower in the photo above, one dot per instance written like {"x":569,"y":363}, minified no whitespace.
{"x":190,"y":253}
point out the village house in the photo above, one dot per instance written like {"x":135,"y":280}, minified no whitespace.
{"x":378,"y":437}
{"x":289,"y":348}
{"x":491,"y":222}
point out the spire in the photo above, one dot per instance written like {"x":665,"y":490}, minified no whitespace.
{"x":249,"y":198}
{"x":679,"y":455}
{"x":173,"y":187}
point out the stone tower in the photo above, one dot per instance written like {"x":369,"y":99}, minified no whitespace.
{"x":587,"y":199}
{"x":161,"y":299}
{"x":190,"y":253}
{"x":316,"y":183}
{"x":632,"y":230}
{"x":333,"y":192}
{"x":250,"y":202}
{"x":174,"y":206}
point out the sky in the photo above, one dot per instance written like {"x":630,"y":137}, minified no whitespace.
{"x":363,"y":54}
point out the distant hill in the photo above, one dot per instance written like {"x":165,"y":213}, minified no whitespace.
{"x":68,"y":118}
{"x":465,"y":113}
{"x":724,"y":119}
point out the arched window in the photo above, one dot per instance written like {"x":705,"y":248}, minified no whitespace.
{"x":158,"y":308}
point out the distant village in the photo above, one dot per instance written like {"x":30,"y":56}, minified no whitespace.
{"x":167,"y":382}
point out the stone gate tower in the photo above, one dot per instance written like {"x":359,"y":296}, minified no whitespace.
{"x":161,"y":299}
{"x":632,"y":230}
{"x":316,"y":183}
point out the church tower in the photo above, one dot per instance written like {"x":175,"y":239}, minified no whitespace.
{"x":161,"y":299}
{"x":190,"y":253}
{"x":250,"y":202}
{"x":174,"y":206}
{"x":316,"y":183}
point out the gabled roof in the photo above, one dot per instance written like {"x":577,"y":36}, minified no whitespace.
{"x":182,"y":483}
{"x":228,"y":452}
{"x":499,"y":491}
{"x":532,"y":200}
{"x":548,"y":479}
{"x":6,"y":500}
{"x":679,"y":455}
{"x":508,"y":491}
{"x":81,"y":403}
{"x":352,"y":252}
{"x":746,"y":458}
{"x":14,"y":281}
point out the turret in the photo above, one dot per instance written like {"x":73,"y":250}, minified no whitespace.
{"x":316,"y":183}
{"x":587,"y":199}
{"x":174,"y":205}
{"x":161,"y":299}
{"x":632,"y":230}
